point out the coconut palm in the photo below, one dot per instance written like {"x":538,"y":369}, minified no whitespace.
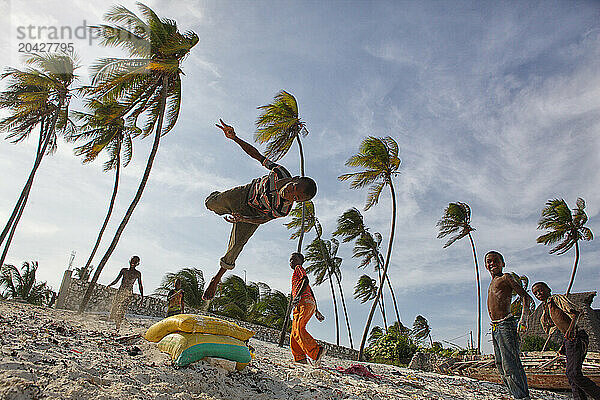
{"x":421,"y":329}
{"x":236,"y":298}
{"x":351,"y":226}
{"x":270,"y":309}
{"x":565,"y":227}
{"x":83,"y":273}
{"x":319,"y":255}
{"x":379,"y":158}
{"x":365,"y":290}
{"x":104,"y":128}
{"x":298,"y":224}
{"x":148,"y":84}
{"x":325,"y":256}
{"x":22,"y":284}
{"x":278,"y":125}
{"x":37,"y":96}
{"x":457,"y":221}
{"x":192,"y":284}
{"x":375,"y":334}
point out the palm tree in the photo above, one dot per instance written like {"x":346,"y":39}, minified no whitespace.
{"x":298,"y":223}
{"x":365,"y":290}
{"x":270,"y":309}
{"x":83,"y":273}
{"x":278,"y":125}
{"x":104,"y":128}
{"x":22,"y":284}
{"x":457,"y":220}
{"x":311,"y":221}
{"x":148,"y":83}
{"x":565,"y":227}
{"x":351,"y":226}
{"x":421,"y":329}
{"x":236,"y":298}
{"x":319,"y":255}
{"x":375,"y":334}
{"x":379,"y":157}
{"x":192,"y":284}
{"x":36,"y":96}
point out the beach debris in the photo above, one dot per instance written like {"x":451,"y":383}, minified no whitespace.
{"x":134,"y":351}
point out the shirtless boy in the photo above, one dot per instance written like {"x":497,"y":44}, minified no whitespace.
{"x":125,"y":293}
{"x":560,"y":313}
{"x":504,"y":325}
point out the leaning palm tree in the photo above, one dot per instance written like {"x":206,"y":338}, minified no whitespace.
{"x":351,"y":226}
{"x":303,"y":219}
{"x":457,"y":221}
{"x":104,"y":128}
{"x":23,"y":285}
{"x":565,"y":227}
{"x":278,"y":125}
{"x":37,"y":96}
{"x":148,"y":84}
{"x":319,"y":255}
{"x":192,"y":284}
{"x":270,"y":309}
{"x":335,"y":262}
{"x":366,"y":290}
{"x":421,"y":329}
{"x":379,"y":157}
{"x":236,"y":298}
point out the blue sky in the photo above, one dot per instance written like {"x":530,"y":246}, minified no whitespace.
{"x":492,"y":103}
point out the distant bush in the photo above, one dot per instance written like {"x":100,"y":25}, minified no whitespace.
{"x":536,"y":343}
{"x":392,"y":348}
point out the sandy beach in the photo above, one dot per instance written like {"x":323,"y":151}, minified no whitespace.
{"x":57,"y":354}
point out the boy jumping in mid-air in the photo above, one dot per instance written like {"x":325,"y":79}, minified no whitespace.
{"x":560,"y":313}
{"x":504,"y":325}
{"x":266,"y":198}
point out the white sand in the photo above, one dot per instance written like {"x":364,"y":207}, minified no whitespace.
{"x":56,"y":354}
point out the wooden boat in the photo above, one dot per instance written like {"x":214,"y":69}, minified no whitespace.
{"x":543,"y":369}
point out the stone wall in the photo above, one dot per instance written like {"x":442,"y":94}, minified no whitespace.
{"x":72,"y":292}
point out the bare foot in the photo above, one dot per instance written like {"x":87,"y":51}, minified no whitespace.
{"x":211,"y":290}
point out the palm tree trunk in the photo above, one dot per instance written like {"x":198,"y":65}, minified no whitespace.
{"x":43,"y":141}
{"x":574,"y":267}
{"x":110,"y":209}
{"x":382,"y":303}
{"x":286,"y":321}
{"x":387,"y":278}
{"x":345,"y":312}
{"x":385,"y":269}
{"x":335,"y":310}
{"x":478,"y":295}
{"x":136,"y":199}
{"x":303,"y":208}
{"x":14,"y":227}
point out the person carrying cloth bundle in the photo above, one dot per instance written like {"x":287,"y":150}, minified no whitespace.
{"x":246,"y":207}
{"x":560,"y":313}
{"x":504,"y":325}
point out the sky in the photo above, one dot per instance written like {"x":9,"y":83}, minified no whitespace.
{"x":495,"y":104}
